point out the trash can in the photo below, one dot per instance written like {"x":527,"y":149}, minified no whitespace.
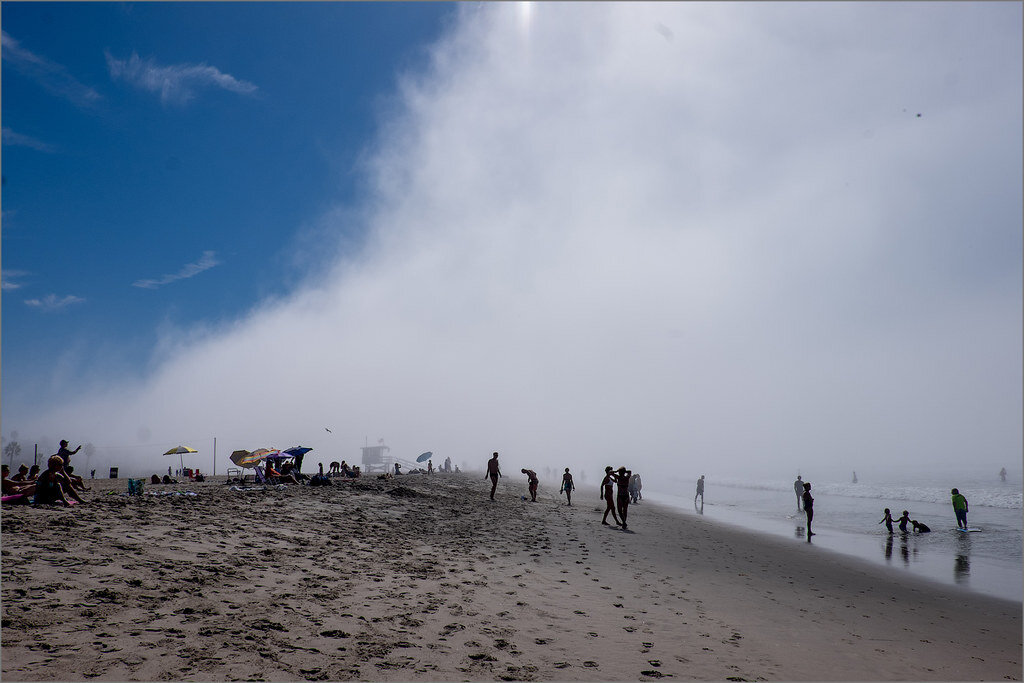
{"x":113,"y":473}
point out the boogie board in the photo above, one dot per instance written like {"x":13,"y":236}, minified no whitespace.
{"x":970,"y":529}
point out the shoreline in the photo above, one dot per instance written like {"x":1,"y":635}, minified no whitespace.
{"x":422,"y":578}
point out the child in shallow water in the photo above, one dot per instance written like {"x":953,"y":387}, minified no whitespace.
{"x":904,"y":520}
{"x":887,"y":519}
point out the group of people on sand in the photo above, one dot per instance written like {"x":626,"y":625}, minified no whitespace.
{"x":618,"y":488}
{"x":56,"y":485}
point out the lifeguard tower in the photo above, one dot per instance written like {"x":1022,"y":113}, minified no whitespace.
{"x":374,"y":458}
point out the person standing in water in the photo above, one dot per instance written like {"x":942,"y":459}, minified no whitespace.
{"x":808,"y":507}
{"x":1002,"y":475}
{"x":567,"y":486}
{"x":959,"y":508}
{"x":798,"y":488}
{"x":904,"y":520}
{"x":608,"y":495}
{"x":887,"y":518}
{"x":700,"y":491}
{"x":493,"y":471}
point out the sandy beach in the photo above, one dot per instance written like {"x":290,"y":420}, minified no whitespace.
{"x":423,"y":578}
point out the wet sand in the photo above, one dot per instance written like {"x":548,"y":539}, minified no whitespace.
{"x":423,"y":578}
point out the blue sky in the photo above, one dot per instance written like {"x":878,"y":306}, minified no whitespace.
{"x":764,"y":237}
{"x":131,"y":210}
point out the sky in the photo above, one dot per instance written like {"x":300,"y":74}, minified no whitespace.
{"x":741,"y":239}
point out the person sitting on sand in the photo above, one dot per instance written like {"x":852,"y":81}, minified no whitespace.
{"x":22,"y":474}
{"x":904,"y":520}
{"x":11,"y":487}
{"x":808,"y":501}
{"x":76,"y":481}
{"x":622,"y":498}
{"x":920,"y":527}
{"x":531,"y":478}
{"x":398,"y":468}
{"x":346,"y":471}
{"x":33,"y":473}
{"x":155,"y":479}
{"x":493,"y":471}
{"x":167,"y":480}
{"x":887,"y":518}
{"x":275,"y":477}
{"x":54,"y":486}
{"x":567,"y":486}
{"x":608,"y":495}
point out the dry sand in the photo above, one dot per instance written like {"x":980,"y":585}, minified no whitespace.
{"x":423,"y":578}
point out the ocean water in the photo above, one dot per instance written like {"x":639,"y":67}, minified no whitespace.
{"x":846,"y":520}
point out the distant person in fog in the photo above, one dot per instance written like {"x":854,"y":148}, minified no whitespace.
{"x":700,"y":491}
{"x":567,"y":486}
{"x":798,"y":488}
{"x":1002,"y":474}
{"x":493,"y":471}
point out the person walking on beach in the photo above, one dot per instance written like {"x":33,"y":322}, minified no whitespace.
{"x":531,"y":477}
{"x":606,"y":493}
{"x":700,"y":491}
{"x":1002,"y":475}
{"x":622,"y":498}
{"x":887,"y":518}
{"x":634,"y":488}
{"x":798,"y":488}
{"x":808,"y":507}
{"x":567,"y":486}
{"x":959,"y":509}
{"x":493,"y":471}
{"x":904,"y":520}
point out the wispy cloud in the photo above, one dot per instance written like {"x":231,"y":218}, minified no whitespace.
{"x":19,"y":140}
{"x":50,"y":75}
{"x":51,"y":302}
{"x":176,"y":84}
{"x":207,"y":261}
{"x":7,"y":282}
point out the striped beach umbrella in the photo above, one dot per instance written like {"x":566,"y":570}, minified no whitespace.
{"x":244,"y":458}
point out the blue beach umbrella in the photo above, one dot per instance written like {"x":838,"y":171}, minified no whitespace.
{"x":425,"y":456}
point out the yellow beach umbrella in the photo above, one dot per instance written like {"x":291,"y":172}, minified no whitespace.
{"x":180,"y":451}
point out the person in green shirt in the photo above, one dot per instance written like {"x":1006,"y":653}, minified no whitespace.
{"x":959,"y":508}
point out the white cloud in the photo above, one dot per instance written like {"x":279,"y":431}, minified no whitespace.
{"x":18,"y":140}
{"x":51,"y":302}
{"x":51,"y":76}
{"x":206,"y":261}
{"x":175,"y":84}
{"x":588,"y":245}
{"x":7,"y":283}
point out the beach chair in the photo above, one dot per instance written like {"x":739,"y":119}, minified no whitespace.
{"x":260,"y":477}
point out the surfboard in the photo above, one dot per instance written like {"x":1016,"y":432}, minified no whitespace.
{"x":970,"y":529}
